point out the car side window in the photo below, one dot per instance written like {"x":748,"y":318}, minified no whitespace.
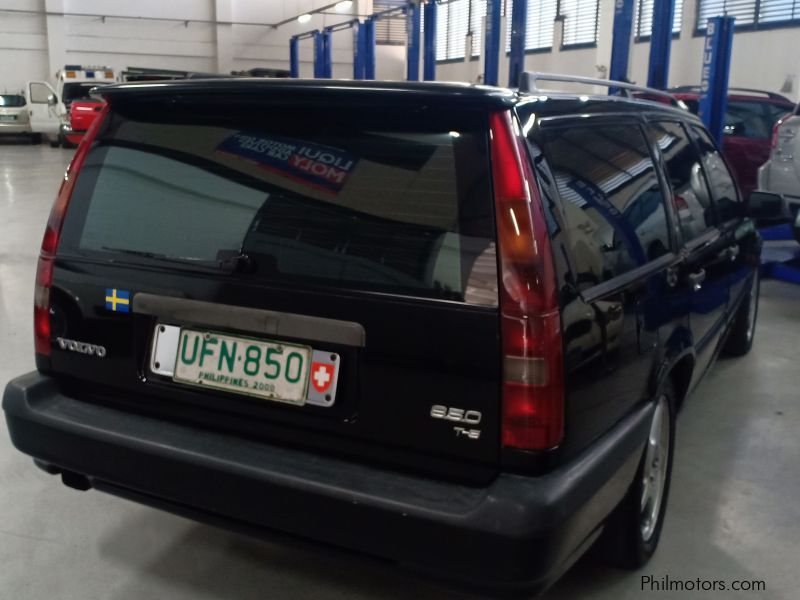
{"x":723,"y":186}
{"x":611,"y":198}
{"x":691,"y":195}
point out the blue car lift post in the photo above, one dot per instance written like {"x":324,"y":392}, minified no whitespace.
{"x":660,"y":44}
{"x":621,"y":42}
{"x":717,"y":50}
{"x":429,"y":47}
{"x":491,"y":62}
{"x":294,"y":53}
{"x":363,"y":45}
{"x":413,"y":27}
{"x":516,"y":57}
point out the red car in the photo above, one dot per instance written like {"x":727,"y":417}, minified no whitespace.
{"x":82,"y":114}
{"x":749,"y":120}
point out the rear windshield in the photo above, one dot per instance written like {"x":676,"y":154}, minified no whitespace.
{"x":12,"y":100}
{"x":374,"y":198}
{"x":79,"y":90}
{"x":751,"y":119}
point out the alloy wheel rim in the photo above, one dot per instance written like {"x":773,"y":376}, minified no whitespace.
{"x":654,"y":475}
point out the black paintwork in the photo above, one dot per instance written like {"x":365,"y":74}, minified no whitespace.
{"x":621,"y":338}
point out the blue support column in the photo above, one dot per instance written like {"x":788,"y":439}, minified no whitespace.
{"x":516,"y":59}
{"x":294,"y":57}
{"x":621,"y":42}
{"x":491,"y":61}
{"x":429,"y":58}
{"x":660,"y":44}
{"x":319,"y":55}
{"x":413,"y":20}
{"x":327,"y":56}
{"x":369,"y":48}
{"x":358,"y":50}
{"x":717,"y":52}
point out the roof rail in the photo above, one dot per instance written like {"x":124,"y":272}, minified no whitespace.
{"x":528,"y":83}
{"x":696,"y":88}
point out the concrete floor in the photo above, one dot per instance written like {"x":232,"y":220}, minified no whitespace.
{"x":733,"y":511}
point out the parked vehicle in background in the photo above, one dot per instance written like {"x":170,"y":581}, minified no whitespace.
{"x":49,"y":107}
{"x":82,"y":113}
{"x":749,"y":120}
{"x":14,"y":115}
{"x":450,"y":326}
{"x":781,"y":173}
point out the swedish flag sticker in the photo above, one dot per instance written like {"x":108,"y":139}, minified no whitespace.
{"x":118,"y":300}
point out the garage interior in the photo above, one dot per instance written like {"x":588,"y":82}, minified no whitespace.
{"x":733,"y":511}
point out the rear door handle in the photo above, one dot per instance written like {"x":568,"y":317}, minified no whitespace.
{"x":696,"y":279}
{"x":733,"y":251}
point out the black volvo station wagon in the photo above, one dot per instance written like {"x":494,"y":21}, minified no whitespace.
{"x":446,"y":325}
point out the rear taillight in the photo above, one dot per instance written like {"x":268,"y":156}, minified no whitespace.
{"x":52,"y":234}
{"x":533,"y":387}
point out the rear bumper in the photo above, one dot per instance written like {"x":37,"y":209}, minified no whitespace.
{"x":780,"y":177}
{"x":517,"y":533}
{"x":14,"y":127}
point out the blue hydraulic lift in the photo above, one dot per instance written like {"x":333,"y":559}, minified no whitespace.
{"x":429,"y":57}
{"x":660,"y":44}
{"x":621,"y":41}
{"x":413,"y":27}
{"x":717,"y":50}
{"x":363,"y":45}
{"x":516,"y":57}
{"x":491,"y":62}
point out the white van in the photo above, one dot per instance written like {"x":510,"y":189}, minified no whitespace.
{"x":49,"y":107}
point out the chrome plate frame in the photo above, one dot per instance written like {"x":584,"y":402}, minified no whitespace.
{"x":164,"y":354}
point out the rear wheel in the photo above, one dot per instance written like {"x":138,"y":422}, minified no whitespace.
{"x":632,"y":531}
{"x":740,"y":339}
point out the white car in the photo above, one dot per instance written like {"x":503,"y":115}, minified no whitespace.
{"x":781,"y":173}
{"x":14,"y":115}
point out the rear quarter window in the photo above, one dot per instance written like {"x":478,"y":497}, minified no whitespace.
{"x":393,"y":200}
{"x":611,"y":197}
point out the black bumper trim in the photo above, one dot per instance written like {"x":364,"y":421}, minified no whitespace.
{"x":518,"y":532}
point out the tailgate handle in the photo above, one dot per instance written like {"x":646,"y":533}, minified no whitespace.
{"x":169,"y":308}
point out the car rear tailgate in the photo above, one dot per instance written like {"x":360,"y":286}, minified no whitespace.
{"x":373,"y":214}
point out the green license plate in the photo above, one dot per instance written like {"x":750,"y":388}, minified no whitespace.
{"x":8,"y":117}
{"x":262,"y":368}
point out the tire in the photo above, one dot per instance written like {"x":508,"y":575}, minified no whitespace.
{"x":53,"y":142}
{"x":740,"y":338}
{"x":633,"y":529}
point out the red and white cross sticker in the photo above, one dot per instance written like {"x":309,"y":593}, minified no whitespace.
{"x":321,"y":376}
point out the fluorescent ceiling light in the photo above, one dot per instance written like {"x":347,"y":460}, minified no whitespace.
{"x":344,"y":5}
{"x":304,"y":18}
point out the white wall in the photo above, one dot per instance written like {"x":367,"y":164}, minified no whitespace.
{"x":33,"y":46}
{"x":23,"y":44}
